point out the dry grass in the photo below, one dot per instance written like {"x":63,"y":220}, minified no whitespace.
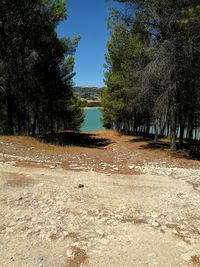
{"x":79,"y":257}
{"x":54,"y":236}
{"x":30,"y":142}
{"x":179,"y":234}
{"x":72,"y":235}
{"x":27,"y":142}
{"x":107,"y":134}
{"x":195,"y":260}
{"x":134,"y":220}
{"x":30,"y":164}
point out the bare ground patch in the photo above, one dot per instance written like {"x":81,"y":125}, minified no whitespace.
{"x":78,"y":257}
{"x":19,"y":180}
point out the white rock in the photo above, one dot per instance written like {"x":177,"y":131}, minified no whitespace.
{"x":187,"y":256}
{"x":60,"y":203}
{"x":131,"y":167}
{"x":156,"y":224}
{"x":104,"y":241}
{"x":52,"y":167}
{"x":69,"y":253}
{"x":40,"y":185}
{"x":100,"y":232}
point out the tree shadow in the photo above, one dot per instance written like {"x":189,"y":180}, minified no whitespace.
{"x":75,"y":139}
{"x":140,"y":139}
{"x":194,"y":150}
{"x":156,"y":145}
{"x":188,"y":151}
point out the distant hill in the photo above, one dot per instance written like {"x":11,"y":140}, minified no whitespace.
{"x":90,"y":96}
{"x":88,"y":93}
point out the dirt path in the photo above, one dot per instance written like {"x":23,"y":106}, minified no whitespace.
{"x":149,"y":215}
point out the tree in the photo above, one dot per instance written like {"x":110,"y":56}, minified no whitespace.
{"x":36,"y":67}
{"x":128,"y":54}
{"x":168,"y":90}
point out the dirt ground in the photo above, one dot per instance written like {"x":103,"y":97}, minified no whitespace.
{"x":120,"y":202}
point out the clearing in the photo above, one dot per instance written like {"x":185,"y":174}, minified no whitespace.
{"x":108,"y":200}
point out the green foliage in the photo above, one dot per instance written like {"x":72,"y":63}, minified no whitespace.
{"x":153,"y":68}
{"x":128,"y":54}
{"x":36,"y":68}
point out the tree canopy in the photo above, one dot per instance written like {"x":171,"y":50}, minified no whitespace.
{"x":153,"y":74}
{"x":36,"y":69}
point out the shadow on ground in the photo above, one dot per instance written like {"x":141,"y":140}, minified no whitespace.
{"x":75,"y":139}
{"x":188,"y":151}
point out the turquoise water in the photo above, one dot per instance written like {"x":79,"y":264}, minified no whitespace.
{"x":92,"y":120}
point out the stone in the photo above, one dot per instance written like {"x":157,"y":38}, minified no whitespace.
{"x":60,"y":203}
{"x":104,"y":241}
{"x":156,"y":224}
{"x":52,"y":167}
{"x":80,"y":185}
{"x":163,"y":227}
{"x":186,"y":256}
{"x":100,"y":232}
{"x":131,"y":167}
{"x":40,"y":184}
{"x":69,"y":253}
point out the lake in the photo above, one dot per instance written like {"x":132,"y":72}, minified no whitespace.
{"x":92,"y":120}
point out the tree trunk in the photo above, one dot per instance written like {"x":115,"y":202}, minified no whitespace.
{"x":34,"y":124}
{"x":10,"y":113}
{"x":182,"y":129}
{"x":173,"y":129}
{"x":156,"y":132}
{"x":173,"y":134}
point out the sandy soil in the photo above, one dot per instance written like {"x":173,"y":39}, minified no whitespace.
{"x":124,"y":204}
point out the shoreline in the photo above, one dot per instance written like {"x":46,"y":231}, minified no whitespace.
{"x":92,"y":108}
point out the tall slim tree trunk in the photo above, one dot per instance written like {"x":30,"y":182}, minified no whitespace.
{"x":182,"y":130}
{"x":10,"y":113}
{"x":51,"y":121}
{"x":173,"y":132}
{"x":19,"y":121}
{"x":34,"y":124}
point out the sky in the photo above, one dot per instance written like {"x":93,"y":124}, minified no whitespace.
{"x":88,"y":19}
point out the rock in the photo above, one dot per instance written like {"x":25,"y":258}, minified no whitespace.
{"x":151,"y":254}
{"x":103,"y":241}
{"x":156,"y":224}
{"x":187,"y":256}
{"x":52,"y":167}
{"x":40,"y":185}
{"x":163,"y":227}
{"x":69,"y":253}
{"x":131,"y":167}
{"x":100,"y":232}
{"x":60,"y":203}
{"x":80,"y":185}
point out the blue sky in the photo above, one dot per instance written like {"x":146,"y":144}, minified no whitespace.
{"x":88,"y":18}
